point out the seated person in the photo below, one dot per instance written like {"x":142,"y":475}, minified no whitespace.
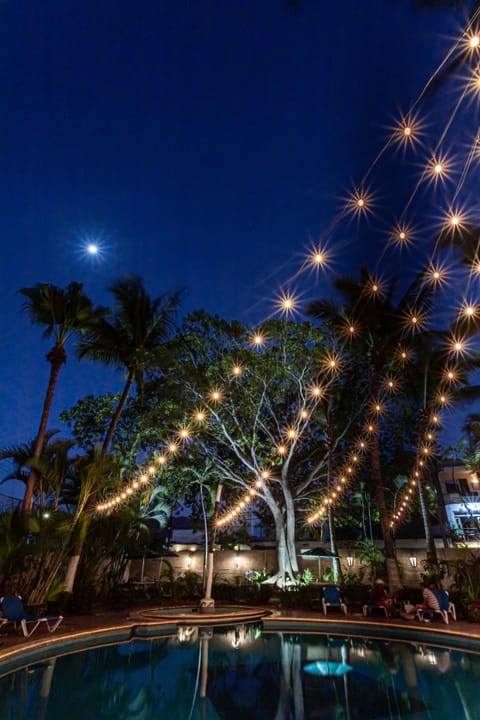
{"x":430,"y":602}
{"x":380,"y":598}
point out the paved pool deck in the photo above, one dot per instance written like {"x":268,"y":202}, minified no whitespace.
{"x":105,"y":625}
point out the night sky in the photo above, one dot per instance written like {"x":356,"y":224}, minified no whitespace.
{"x":201,"y":144}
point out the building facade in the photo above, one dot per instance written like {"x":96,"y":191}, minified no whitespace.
{"x":461,"y":492}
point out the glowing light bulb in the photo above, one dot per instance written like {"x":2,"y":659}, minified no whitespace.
{"x":258,"y":339}
{"x":216,"y":395}
{"x":92,"y":249}
{"x":281,"y":450}
{"x":265,"y":474}
{"x":469,"y":311}
{"x":316,"y":391}
{"x":407,"y":130}
{"x":200,"y":416}
{"x":237,"y":370}
{"x":184,"y":433}
{"x":172,"y":448}
{"x":438,"y":168}
{"x":474,"y":41}
{"x":161,"y":459}
{"x":291,"y":433}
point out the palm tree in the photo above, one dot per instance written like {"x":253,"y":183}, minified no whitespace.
{"x":53,"y":467}
{"x":379,"y":324}
{"x":130,"y":337}
{"x":63,"y":314}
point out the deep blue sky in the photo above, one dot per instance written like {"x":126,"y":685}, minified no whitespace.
{"x":203,"y":142}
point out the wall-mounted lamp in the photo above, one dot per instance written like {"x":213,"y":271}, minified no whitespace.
{"x":349,"y":561}
{"x":189,"y":560}
{"x":413,"y":561}
{"x":237,"y":560}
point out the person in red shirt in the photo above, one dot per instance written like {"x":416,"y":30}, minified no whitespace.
{"x":379,"y":596}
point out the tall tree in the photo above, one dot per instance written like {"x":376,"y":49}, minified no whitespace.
{"x":63,"y":313}
{"x":259,"y":418}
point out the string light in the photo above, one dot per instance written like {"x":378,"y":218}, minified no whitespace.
{"x":258,"y":340}
{"x":287,"y":304}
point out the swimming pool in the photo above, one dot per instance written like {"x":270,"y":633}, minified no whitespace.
{"x":241,"y":672}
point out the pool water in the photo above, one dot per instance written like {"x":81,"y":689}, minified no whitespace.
{"x":242,"y":673}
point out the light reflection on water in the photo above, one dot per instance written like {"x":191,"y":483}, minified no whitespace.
{"x":240,"y":672}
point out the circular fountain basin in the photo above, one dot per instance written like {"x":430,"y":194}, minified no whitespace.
{"x":191,"y":615}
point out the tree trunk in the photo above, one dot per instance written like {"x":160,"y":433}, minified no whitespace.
{"x":118,"y":412}
{"x":56,"y":357}
{"x":285,"y":540}
{"x":394,"y":582}
{"x":422,"y":495}
{"x":337,"y":570}
{"x":207,"y":602}
{"x":429,"y":539}
{"x":441,"y":509}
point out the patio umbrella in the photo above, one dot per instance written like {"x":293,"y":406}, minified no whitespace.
{"x":320,"y":553}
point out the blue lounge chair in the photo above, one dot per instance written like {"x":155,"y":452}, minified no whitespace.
{"x":446,"y":608}
{"x":369,"y":607}
{"x":332,"y":598}
{"x":14,"y":612}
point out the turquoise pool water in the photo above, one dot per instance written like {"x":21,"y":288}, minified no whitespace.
{"x":242,"y":673}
